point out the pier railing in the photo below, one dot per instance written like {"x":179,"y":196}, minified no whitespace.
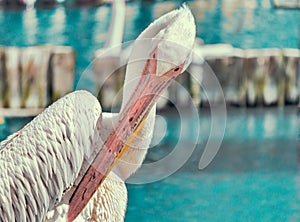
{"x":248,"y":77}
{"x":32,"y":78}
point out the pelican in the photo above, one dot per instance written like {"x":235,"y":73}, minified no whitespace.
{"x":71,"y":161}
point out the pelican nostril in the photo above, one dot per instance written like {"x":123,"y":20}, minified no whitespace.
{"x":130,"y":119}
{"x":176,"y":69}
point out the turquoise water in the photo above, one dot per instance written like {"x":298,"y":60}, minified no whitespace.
{"x":254,"y":177}
{"x":255,"y":174}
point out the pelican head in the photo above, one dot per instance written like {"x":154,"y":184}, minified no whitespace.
{"x":160,"y":54}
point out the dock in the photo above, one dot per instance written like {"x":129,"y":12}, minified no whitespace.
{"x":34,"y":77}
{"x":248,"y":78}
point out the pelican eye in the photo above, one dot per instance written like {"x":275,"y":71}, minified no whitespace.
{"x":176,"y":69}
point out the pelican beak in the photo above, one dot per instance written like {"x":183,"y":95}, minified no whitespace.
{"x":156,"y":76}
{"x":150,"y":86}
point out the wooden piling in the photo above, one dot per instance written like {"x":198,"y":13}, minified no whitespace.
{"x":62,"y":67}
{"x":195,"y":82}
{"x":183,"y":85}
{"x":255,"y":71}
{"x":291,"y":61}
{"x":195,"y":71}
{"x":216,"y":57}
{"x":34,"y":68}
{"x":163,"y":100}
{"x":236,"y":81}
{"x":108,"y":79}
{"x":12,"y":87}
{"x":273,"y":93}
{"x":172,"y":94}
{"x":1,"y":76}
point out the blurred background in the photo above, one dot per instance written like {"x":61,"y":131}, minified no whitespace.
{"x":49,"y":48}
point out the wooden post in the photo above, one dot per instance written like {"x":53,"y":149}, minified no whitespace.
{"x":195,"y":71}
{"x":195,"y":88}
{"x":291,"y":59}
{"x":12,"y":88}
{"x":34,"y":67}
{"x":254,"y":69}
{"x":273,"y":91}
{"x":171,"y":94}
{"x":248,"y":70}
{"x":216,"y":57}
{"x":108,"y":79}
{"x":235,"y":80}
{"x":183,"y":85}
{"x":1,"y":76}
{"x":163,"y":100}
{"x":62,"y":66}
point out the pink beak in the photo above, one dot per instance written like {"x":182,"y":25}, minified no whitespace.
{"x":150,"y":86}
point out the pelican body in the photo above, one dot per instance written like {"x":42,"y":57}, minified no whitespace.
{"x":71,"y":161}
